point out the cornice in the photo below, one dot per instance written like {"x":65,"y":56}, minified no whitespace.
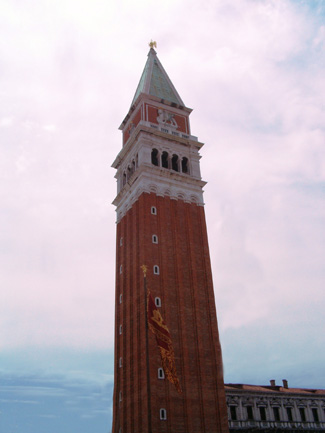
{"x":161,"y":182}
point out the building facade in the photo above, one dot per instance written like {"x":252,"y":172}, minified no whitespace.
{"x":275,"y":408}
{"x":161,"y":224}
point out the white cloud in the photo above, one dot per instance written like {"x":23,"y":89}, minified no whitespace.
{"x":252,"y":71}
{"x":6,"y":122}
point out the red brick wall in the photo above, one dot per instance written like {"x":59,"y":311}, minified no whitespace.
{"x":182,"y":121}
{"x":136,"y":119}
{"x":185,"y":288}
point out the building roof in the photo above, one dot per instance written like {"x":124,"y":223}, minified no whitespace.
{"x":276,"y":388}
{"x":154,"y":81}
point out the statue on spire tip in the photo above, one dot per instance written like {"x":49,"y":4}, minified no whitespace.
{"x":152,"y":44}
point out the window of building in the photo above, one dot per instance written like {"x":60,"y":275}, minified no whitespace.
{"x":249,"y":412}
{"x":120,"y":362}
{"x":124,"y":178}
{"x":263,"y":413}
{"x":154,"y":239}
{"x":121,"y":297}
{"x":161,"y":373}
{"x":315,"y":414}
{"x":153,"y":210}
{"x":302,"y":414}
{"x":121,"y":267}
{"x":121,"y":328}
{"x":121,"y":241}
{"x":164,"y":160}
{"x":163,"y":414}
{"x":233,"y":413}
{"x":156,"y":270}
{"x":120,"y":396}
{"x":289,"y":413}
{"x":158,"y":302}
{"x":154,"y":156}
{"x":175,"y":162}
{"x":184,"y":165}
{"x":276,"y":413}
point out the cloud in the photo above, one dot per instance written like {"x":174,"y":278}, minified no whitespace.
{"x":6,"y":122}
{"x":62,"y":398}
{"x":253,"y":73}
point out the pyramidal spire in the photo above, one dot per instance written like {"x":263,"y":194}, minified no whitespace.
{"x":154,"y":81}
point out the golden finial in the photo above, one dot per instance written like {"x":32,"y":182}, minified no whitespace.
{"x":144,"y":269}
{"x":152,"y":44}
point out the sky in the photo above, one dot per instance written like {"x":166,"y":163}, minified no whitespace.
{"x":253,"y":72}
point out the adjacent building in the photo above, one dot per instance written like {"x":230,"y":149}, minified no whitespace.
{"x":275,"y":408}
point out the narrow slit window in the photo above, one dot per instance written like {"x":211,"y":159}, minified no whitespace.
{"x":161,"y":373}
{"x":121,"y":298}
{"x":121,"y":241}
{"x":154,"y":239}
{"x":163,"y":414}
{"x":121,"y":329}
{"x":120,"y":362}
{"x":121,"y":268}
{"x":158,"y":302}
{"x":153,"y":210}
{"x":120,"y":396}
{"x":156,"y":270}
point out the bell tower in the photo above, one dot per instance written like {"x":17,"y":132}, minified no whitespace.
{"x":161,"y":224}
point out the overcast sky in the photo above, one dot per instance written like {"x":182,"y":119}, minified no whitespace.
{"x":253,"y":71}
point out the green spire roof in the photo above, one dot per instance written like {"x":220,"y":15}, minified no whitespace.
{"x":155,"y":81}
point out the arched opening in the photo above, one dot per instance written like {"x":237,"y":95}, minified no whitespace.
{"x":175,"y":163}
{"x":184,"y":165}
{"x":164,"y":160}
{"x":154,"y":157}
